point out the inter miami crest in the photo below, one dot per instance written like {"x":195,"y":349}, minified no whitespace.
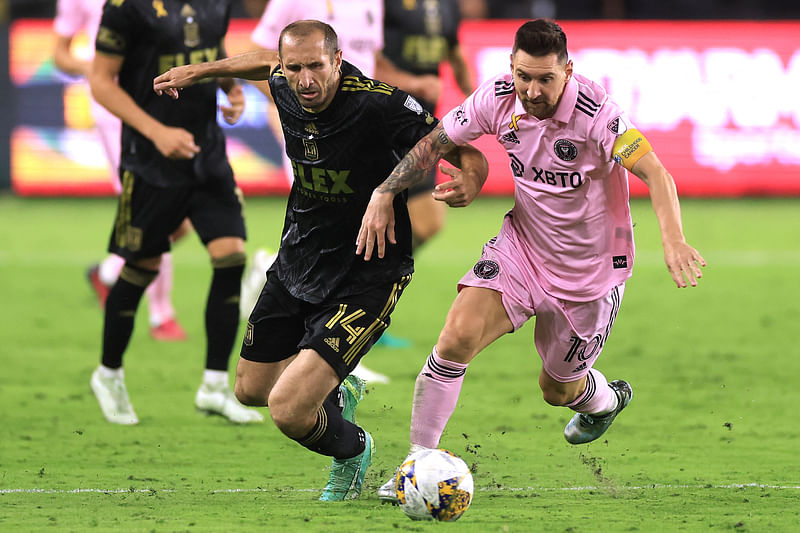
{"x":565,"y":150}
{"x":486,"y":269}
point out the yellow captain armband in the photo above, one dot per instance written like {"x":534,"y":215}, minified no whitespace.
{"x":630,"y":147}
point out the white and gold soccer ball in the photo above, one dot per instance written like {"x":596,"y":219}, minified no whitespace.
{"x":434,"y":484}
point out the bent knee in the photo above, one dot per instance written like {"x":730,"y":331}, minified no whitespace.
{"x":249,"y":395}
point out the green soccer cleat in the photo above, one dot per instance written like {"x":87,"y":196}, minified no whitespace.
{"x":352,"y":392}
{"x":347,"y":475}
{"x":585,"y":428}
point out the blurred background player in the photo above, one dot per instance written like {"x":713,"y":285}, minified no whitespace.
{"x":359,"y":25}
{"x":418,"y":36}
{"x":74,"y":17}
{"x":173,"y":166}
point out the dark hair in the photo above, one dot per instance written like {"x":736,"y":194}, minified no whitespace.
{"x":541,"y":37}
{"x":304,"y":28}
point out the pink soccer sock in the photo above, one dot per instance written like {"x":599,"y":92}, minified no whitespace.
{"x":435,"y":395}
{"x":159,"y":293}
{"x":598,"y":398}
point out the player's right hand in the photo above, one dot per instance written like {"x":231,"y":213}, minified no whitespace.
{"x":175,"y":143}
{"x":377,"y":226}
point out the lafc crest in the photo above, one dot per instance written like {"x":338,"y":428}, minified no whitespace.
{"x":191,"y":29}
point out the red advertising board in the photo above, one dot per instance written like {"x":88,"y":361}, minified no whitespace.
{"x":717,"y":100}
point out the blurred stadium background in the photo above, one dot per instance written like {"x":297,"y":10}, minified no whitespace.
{"x":710,"y":83}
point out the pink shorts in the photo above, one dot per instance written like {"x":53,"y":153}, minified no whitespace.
{"x":569,"y":336}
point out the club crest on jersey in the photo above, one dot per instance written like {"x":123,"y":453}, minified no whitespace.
{"x":191,"y":29}
{"x":565,"y":150}
{"x":412,"y":104}
{"x":486,"y":269}
{"x":310,"y":149}
{"x":617,"y":126}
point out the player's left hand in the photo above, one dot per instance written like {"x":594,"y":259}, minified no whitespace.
{"x":459,"y":191}
{"x":233,"y":112}
{"x":683,"y":263}
{"x":377,"y":225}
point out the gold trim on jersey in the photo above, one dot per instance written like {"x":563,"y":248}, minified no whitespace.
{"x":354,"y":83}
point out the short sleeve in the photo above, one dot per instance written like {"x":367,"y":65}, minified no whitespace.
{"x":406,"y":120}
{"x":473,"y":117}
{"x":118,"y":26}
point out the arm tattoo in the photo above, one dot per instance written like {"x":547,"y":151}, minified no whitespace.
{"x":418,"y":162}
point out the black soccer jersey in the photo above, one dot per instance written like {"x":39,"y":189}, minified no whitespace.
{"x":152,"y":37}
{"x":419,"y":34}
{"x":339,"y":156}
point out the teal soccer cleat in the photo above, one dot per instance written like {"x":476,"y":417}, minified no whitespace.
{"x":347,"y":475}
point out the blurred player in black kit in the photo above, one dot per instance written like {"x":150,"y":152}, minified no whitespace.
{"x":323,"y":307}
{"x":418,"y":35}
{"x":173,"y":166}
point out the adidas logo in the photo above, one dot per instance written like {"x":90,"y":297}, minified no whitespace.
{"x":510,"y":137}
{"x":311,"y":128}
{"x":333,"y":342}
{"x":580,"y":367}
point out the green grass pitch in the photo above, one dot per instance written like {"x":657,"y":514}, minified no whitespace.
{"x":709,"y":443}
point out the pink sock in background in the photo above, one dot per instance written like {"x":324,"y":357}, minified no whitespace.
{"x":159,"y":294}
{"x":435,"y":396}
{"x":597,"y":398}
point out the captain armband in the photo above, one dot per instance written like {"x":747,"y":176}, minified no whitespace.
{"x":630,"y":147}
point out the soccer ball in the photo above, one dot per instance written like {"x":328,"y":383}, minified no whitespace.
{"x":434,"y":484}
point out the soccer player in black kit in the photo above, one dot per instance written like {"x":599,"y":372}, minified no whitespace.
{"x":173,"y":166}
{"x":323,"y":306}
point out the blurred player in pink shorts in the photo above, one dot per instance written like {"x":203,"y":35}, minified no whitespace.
{"x":564,"y":251}
{"x":73,"y":17}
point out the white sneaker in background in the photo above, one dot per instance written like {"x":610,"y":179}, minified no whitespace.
{"x":113,"y":397}
{"x":220,"y":400}
{"x":253,"y":280}
{"x":368,"y":375}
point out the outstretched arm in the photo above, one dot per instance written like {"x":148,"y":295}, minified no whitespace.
{"x":683,"y":261}
{"x":255,"y":65}
{"x":377,"y":225}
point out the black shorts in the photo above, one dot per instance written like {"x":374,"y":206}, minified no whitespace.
{"x":340,"y":330}
{"x":148,"y":215}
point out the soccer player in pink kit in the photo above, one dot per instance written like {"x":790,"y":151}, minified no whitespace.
{"x":72,"y":17}
{"x":564,"y":251}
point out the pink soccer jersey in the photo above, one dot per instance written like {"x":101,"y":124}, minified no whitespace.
{"x":571,"y":211}
{"x":358,"y":24}
{"x":72,"y":17}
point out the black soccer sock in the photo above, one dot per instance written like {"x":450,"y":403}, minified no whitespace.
{"x":222,"y":309}
{"x":121,"y":305}
{"x":334,"y":436}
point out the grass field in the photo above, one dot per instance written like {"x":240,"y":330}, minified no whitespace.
{"x":709,"y":443}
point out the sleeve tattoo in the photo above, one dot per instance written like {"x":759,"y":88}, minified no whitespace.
{"x":418,"y":161}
